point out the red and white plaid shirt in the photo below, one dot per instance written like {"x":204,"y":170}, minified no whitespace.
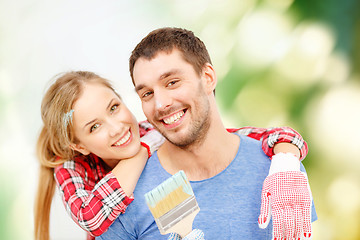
{"x":271,"y":136}
{"x":94,"y":198}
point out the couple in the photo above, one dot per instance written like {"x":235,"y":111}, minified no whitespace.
{"x":172,"y":74}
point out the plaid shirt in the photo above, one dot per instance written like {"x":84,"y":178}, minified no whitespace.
{"x":271,"y":136}
{"x":94,"y":198}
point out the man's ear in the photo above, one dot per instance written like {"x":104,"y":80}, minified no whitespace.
{"x":80,"y":148}
{"x":209,"y":76}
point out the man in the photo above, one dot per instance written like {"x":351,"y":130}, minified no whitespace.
{"x":174,"y":78}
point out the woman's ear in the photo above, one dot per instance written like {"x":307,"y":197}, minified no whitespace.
{"x":80,"y":148}
{"x":209,"y":76}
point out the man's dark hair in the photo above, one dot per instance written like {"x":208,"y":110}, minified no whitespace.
{"x":167,"y":39}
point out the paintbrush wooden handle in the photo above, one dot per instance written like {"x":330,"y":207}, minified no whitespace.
{"x":184,"y":227}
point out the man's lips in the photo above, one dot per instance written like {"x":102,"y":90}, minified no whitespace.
{"x":173,"y":118}
{"x":122,"y":141}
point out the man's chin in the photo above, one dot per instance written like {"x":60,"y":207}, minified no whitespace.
{"x":179,"y":137}
{"x":180,"y":141}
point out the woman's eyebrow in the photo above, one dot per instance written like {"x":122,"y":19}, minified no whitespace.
{"x":94,"y":120}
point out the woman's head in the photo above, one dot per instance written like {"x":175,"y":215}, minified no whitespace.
{"x":83,"y":114}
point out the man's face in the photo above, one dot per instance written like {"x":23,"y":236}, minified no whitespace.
{"x":173,"y":97}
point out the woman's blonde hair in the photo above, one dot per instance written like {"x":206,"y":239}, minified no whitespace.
{"x":53,"y":145}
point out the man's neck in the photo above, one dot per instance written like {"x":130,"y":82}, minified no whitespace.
{"x":204,"y":160}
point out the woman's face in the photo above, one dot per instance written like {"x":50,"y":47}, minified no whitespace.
{"x":103,"y":125}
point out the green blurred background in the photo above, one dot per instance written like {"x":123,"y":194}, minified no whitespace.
{"x":279,"y":63}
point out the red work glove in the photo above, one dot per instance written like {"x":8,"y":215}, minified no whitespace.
{"x":286,"y":196}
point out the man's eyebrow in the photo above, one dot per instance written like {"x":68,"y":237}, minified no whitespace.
{"x":169,"y":73}
{"x":162,"y":76}
{"x":139,"y":87}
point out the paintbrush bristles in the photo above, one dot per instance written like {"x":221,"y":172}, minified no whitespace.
{"x":169,"y":202}
{"x":168,"y":194}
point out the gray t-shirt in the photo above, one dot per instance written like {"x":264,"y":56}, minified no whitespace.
{"x":229,"y":202}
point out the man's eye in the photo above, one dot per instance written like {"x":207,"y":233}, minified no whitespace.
{"x":94,"y":127}
{"x":146,"y":94}
{"x":171,"y":83}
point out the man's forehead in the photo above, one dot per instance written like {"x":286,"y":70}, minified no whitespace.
{"x":159,"y":67}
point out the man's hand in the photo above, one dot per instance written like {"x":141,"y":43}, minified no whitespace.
{"x":287,"y":198}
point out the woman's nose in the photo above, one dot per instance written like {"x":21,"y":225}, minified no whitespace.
{"x":115,"y":127}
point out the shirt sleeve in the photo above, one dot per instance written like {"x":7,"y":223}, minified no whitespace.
{"x":94,"y":207}
{"x":145,"y":127}
{"x":271,"y":136}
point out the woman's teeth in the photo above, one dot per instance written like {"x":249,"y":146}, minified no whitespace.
{"x":174,"y":118}
{"x":123,"y":140}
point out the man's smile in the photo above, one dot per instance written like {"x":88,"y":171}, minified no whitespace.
{"x":174,"y":119}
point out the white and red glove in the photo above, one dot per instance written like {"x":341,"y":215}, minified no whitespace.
{"x":153,"y":139}
{"x":195,"y":234}
{"x":286,"y":196}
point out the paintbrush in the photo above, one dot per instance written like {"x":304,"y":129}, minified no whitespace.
{"x":173,"y":205}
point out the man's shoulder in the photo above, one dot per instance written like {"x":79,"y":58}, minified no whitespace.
{"x":247,"y":142}
{"x":152,"y":175}
{"x":251,"y":154}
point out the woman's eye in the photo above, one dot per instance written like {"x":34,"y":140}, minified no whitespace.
{"x":94,"y":127}
{"x":114,"y":107}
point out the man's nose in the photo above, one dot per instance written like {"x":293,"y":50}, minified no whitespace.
{"x":162,"y":100}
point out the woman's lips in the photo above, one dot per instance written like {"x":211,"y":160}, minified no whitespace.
{"x":125,"y":139}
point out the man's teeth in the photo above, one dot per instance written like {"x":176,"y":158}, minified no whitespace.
{"x":174,"y":118}
{"x":124,"y":139}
